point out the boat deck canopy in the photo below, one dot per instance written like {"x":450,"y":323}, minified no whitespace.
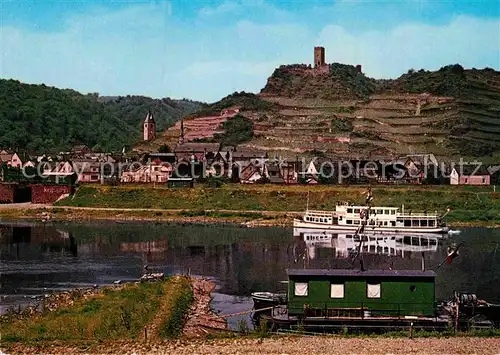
{"x":359,"y":273}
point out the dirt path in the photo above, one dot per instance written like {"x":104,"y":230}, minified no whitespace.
{"x":277,"y":345}
{"x":151,"y":331}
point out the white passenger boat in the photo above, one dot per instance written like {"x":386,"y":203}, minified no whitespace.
{"x":347,"y":217}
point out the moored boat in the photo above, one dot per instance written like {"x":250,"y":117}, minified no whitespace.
{"x":268,"y":299}
{"x":348,"y":217}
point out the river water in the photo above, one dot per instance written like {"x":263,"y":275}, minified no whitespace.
{"x":37,"y":259}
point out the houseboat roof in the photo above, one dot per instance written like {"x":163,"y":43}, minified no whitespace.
{"x":359,"y":273}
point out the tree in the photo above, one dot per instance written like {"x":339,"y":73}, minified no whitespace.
{"x":164,"y":149}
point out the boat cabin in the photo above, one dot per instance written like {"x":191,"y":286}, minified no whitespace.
{"x":333,"y":293}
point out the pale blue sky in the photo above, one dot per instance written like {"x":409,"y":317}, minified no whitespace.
{"x":204,"y":50}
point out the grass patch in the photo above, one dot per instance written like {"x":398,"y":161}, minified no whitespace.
{"x":468,"y":203}
{"x":111,"y":315}
{"x":182,"y":300}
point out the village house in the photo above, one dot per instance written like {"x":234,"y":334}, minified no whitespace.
{"x":201,"y":151}
{"x":418,"y":166}
{"x":494,"y":171}
{"x":470,"y":175}
{"x":11,"y":159}
{"x":150,"y":173}
{"x":253,"y":172}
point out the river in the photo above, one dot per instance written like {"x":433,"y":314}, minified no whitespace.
{"x":37,"y":258}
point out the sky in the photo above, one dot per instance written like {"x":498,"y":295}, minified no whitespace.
{"x":205,"y":50}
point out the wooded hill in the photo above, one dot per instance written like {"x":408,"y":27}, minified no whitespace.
{"x":39,"y":118}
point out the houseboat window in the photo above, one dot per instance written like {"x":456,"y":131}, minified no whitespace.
{"x":301,"y":288}
{"x":380,"y":211}
{"x":431,"y":223}
{"x":348,"y":221}
{"x":373,"y":290}
{"x":349,"y":210}
{"x":423,"y":223}
{"x":337,"y":290}
{"x":413,"y":288}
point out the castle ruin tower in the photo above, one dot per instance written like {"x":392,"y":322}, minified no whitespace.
{"x":319,"y":57}
{"x":149,"y":127}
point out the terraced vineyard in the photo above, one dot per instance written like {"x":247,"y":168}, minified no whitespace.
{"x":337,"y":110}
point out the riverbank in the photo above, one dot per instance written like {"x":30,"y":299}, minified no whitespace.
{"x":259,"y":205}
{"x":281,"y":345}
{"x":139,"y":310}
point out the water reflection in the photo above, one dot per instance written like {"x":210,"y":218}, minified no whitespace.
{"x":41,"y":258}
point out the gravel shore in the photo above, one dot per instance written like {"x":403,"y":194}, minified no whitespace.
{"x":282,"y":345}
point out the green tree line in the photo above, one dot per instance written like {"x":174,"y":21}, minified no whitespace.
{"x":39,"y":118}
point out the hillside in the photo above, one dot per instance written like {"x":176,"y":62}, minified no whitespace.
{"x":336,"y":110}
{"x":57,"y":119}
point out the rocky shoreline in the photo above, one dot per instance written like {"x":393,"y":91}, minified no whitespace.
{"x":201,"y":320}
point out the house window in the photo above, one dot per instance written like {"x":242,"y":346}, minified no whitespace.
{"x":337,"y":291}
{"x":466,"y":180}
{"x":94,"y":177}
{"x":373,"y":290}
{"x":484,"y":180}
{"x":301,"y":289}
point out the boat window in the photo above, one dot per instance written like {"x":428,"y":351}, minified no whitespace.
{"x":356,"y":221}
{"x":393,"y":223}
{"x":307,"y":218}
{"x":348,"y":221}
{"x":393,"y":211}
{"x":337,"y":290}
{"x":372,"y":222}
{"x":340,"y":218}
{"x":301,"y":289}
{"x":423,"y":223}
{"x":414,"y":223}
{"x":385,"y":223}
{"x":431,"y":223}
{"x":356,"y":210}
{"x":407,"y":223}
{"x":399,"y":219}
{"x":373,"y":290}
{"x":386,"y":211}
{"x":379,"y":211}
{"x":349,"y":210}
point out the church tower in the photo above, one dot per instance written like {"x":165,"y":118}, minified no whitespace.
{"x":149,"y":127}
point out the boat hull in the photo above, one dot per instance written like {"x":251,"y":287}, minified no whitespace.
{"x":298,"y":223}
{"x":267,"y":299}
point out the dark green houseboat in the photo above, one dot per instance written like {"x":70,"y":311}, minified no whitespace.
{"x":346,"y":298}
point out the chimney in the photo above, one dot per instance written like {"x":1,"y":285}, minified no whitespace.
{"x":358,"y":68}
